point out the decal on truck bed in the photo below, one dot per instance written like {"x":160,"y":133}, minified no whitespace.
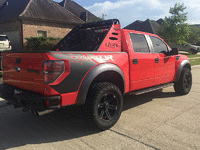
{"x":99,"y":59}
{"x":80,"y":64}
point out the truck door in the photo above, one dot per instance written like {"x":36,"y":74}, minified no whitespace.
{"x":164,"y":65}
{"x":142,"y":62}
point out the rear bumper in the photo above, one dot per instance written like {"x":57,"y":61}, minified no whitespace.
{"x":27,"y":99}
{"x":5,"y":48}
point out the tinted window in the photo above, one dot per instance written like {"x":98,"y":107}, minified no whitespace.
{"x":84,"y":39}
{"x":158,"y":45}
{"x":139,"y":43}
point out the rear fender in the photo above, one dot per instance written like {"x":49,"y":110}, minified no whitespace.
{"x":92,"y":75}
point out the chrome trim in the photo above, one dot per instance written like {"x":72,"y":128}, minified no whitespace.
{"x":150,"y":44}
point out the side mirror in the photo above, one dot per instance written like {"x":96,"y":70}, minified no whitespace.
{"x":174,"y":51}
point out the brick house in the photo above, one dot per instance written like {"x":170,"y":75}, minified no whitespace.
{"x":31,"y":18}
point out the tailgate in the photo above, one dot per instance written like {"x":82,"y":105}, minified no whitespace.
{"x":23,"y":70}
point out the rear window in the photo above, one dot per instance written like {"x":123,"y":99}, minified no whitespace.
{"x":86,"y":37}
{"x":139,"y":43}
{"x":3,"y":38}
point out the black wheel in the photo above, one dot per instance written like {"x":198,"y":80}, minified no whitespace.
{"x":184,"y":84}
{"x":193,"y":51}
{"x":103,"y":105}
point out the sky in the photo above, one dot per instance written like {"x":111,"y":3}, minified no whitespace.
{"x":128,"y":11}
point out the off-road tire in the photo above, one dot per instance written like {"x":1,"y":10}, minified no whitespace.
{"x":193,"y":51}
{"x":184,"y":84}
{"x":103,"y":105}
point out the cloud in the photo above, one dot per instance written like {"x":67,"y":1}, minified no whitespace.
{"x":193,"y":9}
{"x":128,"y":11}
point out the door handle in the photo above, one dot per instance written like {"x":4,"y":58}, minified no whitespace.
{"x":17,"y":69}
{"x":135,"y":61}
{"x":156,"y":60}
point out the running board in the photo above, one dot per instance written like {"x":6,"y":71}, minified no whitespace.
{"x":154,"y":88}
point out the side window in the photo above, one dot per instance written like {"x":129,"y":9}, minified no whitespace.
{"x":158,"y":45}
{"x":139,"y":43}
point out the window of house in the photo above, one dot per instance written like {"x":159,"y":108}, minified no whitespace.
{"x":139,"y":43}
{"x":158,"y":45}
{"x":41,"y":33}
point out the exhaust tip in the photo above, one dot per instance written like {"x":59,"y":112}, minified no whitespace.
{"x":40,"y":113}
{"x":34,"y":112}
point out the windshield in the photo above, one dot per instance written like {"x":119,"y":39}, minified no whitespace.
{"x":3,"y":38}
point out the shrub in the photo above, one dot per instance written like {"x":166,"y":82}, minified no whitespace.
{"x":1,"y":74}
{"x":40,"y":43}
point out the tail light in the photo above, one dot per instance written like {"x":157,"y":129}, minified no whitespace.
{"x":52,"y":70}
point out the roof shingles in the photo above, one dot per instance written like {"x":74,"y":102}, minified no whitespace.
{"x":78,"y":10}
{"x":38,"y":9}
{"x":13,"y":9}
{"x":145,"y":26}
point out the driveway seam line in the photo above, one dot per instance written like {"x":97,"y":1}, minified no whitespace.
{"x":133,"y":139}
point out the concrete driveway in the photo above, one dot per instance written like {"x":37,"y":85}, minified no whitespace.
{"x":157,"y":120}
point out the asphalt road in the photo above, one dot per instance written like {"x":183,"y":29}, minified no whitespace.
{"x":156,"y":120}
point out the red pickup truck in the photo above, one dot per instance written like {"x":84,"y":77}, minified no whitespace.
{"x":94,"y":65}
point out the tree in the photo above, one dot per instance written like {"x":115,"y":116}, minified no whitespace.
{"x":174,"y":29}
{"x":101,"y":18}
{"x":194,"y":35}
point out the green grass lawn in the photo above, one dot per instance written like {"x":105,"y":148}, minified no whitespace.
{"x":193,"y":56}
{"x":189,"y":55}
{"x":195,"y":62}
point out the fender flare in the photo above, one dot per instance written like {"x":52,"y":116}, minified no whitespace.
{"x":182,"y":65}
{"x":82,"y":94}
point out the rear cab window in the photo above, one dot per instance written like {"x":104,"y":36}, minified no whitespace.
{"x":85,"y":38}
{"x":139,"y":43}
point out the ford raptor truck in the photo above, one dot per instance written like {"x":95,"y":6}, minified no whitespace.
{"x":93,"y":66}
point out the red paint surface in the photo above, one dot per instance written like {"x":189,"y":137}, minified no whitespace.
{"x":69,"y":98}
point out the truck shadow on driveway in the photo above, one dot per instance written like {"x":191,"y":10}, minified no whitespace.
{"x":131,"y":101}
{"x":20,"y":129}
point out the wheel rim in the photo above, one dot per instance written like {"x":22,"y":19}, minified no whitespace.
{"x":107,"y":106}
{"x":187,"y":81}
